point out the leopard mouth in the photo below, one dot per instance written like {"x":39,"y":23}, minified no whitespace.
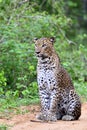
{"x":42,"y":56}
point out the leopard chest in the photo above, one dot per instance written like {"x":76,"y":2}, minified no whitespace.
{"x":46,"y":79}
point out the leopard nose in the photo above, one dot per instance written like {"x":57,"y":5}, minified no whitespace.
{"x":37,"y":52}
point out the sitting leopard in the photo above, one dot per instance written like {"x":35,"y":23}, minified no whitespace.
{"x":59,"y":101}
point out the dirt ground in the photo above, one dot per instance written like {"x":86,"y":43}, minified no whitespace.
{"x":23,"y":121}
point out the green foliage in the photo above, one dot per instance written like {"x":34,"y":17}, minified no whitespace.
{"x":17,"y":65}
{"x":17,"y":51}
{"x":3,"y":127}
{"x":2,"y":82}
{"x":2,"y":79}
{"x":20,"y":22}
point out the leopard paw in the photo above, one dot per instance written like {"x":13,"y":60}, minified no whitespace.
{"x":51,"y":117}
{"x":41,"y":116}
{"x":67,"y":118}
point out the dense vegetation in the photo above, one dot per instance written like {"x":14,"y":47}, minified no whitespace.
{"x":20,"y":22}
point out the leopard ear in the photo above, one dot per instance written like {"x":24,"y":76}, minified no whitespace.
{"x":52,"y":39}
{"x":35,"y":39}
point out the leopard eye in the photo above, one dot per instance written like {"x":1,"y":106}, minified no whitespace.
{"x":43,"y":45}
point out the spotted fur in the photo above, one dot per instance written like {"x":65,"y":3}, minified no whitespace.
{"x":57,"y":94}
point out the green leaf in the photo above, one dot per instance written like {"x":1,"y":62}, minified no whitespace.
{"x":0,"y":1}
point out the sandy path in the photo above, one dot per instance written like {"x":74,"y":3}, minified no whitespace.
{"x":22,"y":121}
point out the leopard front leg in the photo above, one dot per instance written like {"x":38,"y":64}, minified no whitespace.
{"x":45,"y":104}
{"x":49,"y":104}
{"x":52,"y":113}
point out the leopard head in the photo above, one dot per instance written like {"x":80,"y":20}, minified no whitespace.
{"x":44,"y":47}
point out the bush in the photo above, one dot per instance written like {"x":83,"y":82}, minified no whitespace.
{"x":20,"y":23}
{"x":17,"y":56}
{"x":2,"y":83}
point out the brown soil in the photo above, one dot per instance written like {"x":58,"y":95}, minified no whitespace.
{"x":23,"y":121}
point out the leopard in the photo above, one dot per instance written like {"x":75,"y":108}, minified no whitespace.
{"x":58,"y":97}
